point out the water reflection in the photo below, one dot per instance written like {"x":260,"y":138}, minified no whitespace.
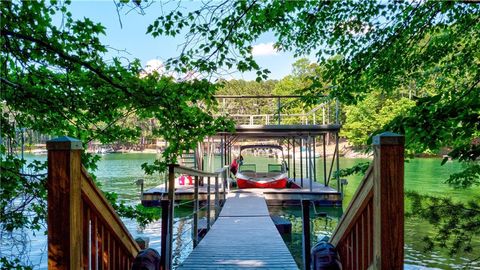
{"x":118,"y":172}
{"x":323,"y":222}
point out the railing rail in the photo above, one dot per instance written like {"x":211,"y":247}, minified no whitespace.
{"x":272,"y":118}
{"x":84,"y":232}
{"x":356,"y":227}
{"x":370,"y":233}
{"x":329,"y":111}
{"x":108,"y":235}
{"x":168,"y":206}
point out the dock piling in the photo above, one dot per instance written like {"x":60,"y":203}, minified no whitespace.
{"x":164,"y":262}
{"x":306,"y":239}
{"x":171,"y":214}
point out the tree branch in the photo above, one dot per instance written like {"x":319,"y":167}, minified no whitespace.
{"x":62,"y":54}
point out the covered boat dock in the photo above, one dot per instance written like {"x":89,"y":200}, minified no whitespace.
{"x":300,"y":143}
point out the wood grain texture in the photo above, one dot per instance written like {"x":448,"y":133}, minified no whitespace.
{"x":105,"y":212}
{"x":358,"y":203}
{"x":370,"y":233}
{"x":64,"y":210}
{"x":80,"y":217}
{"x":388,"y":206}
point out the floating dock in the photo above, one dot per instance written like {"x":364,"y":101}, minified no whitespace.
{"x":319,"y":194}
{"x":244,"y":236}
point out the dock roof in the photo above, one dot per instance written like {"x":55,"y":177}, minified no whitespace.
{"x":271,"y":131}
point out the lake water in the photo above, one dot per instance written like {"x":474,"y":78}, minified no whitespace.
{"x":118,"y":172}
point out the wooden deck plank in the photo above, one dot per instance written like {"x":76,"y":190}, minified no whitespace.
{"x":244,"y":236}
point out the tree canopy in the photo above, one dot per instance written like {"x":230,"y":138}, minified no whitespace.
{"x":57,"y":80}
{"x":428,"y":49}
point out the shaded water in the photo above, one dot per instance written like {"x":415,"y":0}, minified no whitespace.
{"x":118,"y":172}
{"x":425,"y":176}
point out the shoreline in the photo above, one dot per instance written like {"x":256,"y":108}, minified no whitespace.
{"x":346,"y":151}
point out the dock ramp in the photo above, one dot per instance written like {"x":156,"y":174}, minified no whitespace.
{"x":244,"y":236}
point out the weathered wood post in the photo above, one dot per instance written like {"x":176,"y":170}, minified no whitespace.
{"x":288,"y":157}
{"x":279,"y":105}
{"x":337,"y":150}
{"x":64,"y":203}
{"x":140,"y":182}
{"x":388,"y":205}
{"x":314,"y":160}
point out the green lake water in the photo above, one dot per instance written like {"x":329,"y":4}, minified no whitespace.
{"x":118,"y":172}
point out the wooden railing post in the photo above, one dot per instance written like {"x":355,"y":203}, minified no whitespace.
{"x":171,"y":215}
{"x":64,"y":204}
{"x":388,"y":205}
{"x":165,"y":245}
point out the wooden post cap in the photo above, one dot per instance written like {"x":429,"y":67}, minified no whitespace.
{"x":388,"y":138}
{"x":64,"y":143}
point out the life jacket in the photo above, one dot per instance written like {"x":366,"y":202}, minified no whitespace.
{"x":234,"y":166}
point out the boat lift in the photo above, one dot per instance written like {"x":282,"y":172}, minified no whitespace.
{"x":298,"y":134}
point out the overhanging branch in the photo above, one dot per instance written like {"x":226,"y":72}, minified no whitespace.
{"x":62,"y":54}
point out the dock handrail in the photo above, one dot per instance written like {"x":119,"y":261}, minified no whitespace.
{"x":195,"y":172}
{"x":370,"y":232}
{"x":276,"y":117}
{"x":168,"y":206}
{"x":84,"y":231}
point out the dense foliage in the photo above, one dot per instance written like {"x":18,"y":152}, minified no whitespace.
{"x":406,"y":66}
{"x":293,"y":110}
{"x":56,"y":80}
{"x":372,"y":114}
{"x":372,"y":53}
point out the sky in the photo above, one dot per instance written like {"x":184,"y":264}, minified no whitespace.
{"x":129,"y":38}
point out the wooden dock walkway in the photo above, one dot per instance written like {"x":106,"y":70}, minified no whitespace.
{"x":244,"y":236}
